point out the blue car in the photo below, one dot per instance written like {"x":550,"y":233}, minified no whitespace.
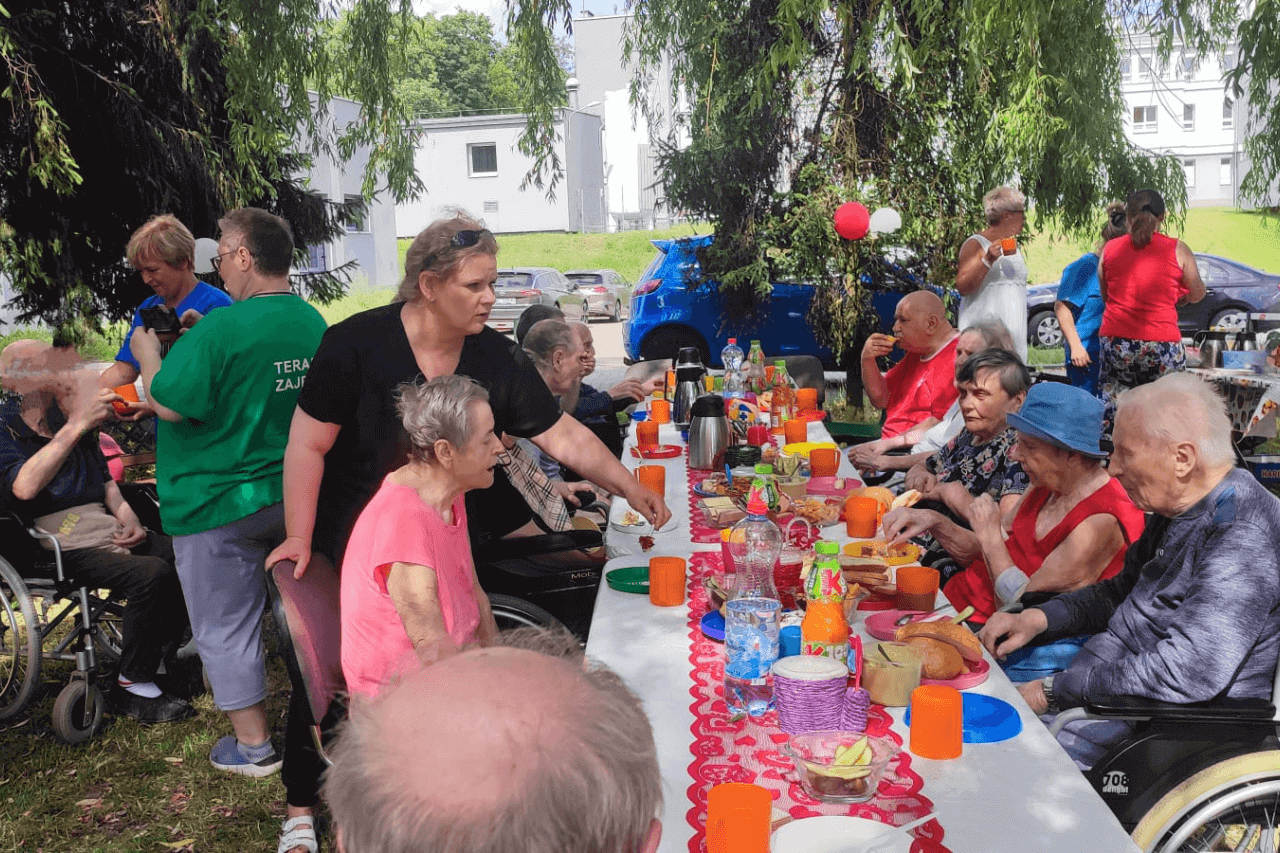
{"x":672,"y":308}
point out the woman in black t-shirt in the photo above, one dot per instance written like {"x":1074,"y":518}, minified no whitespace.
{"x":346,"y":436}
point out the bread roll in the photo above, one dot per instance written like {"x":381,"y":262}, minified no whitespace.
{"x":940,"y":661}
{"x":961,"y":638}
{"x":910,"y":497}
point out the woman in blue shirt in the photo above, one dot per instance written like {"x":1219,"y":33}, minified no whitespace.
{"x":1079,"y":307}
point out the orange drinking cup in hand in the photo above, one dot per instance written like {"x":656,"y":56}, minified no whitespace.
{"x":652,"y":477}
{"x":666,"y":581}
{"x":1009,"y":245}
{"x":129,"y":393}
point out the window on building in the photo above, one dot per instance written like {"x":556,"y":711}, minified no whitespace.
{"x":1144,"y":66}
{"x":1229,"y":60}
{"x":1188,"y":67}
{"x":1144,"y":119}
{"x":1228,"y":114}
{"x":1126,"y":66}
{"x":1189,"y":169}
{"x":1188,"y":116}
{"x":1224,"y":172}
{"x":317,"y":258}
{"x":358,"y":223}
{"x":483,"y":158}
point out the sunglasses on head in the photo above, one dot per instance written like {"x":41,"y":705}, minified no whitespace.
{"x":462,"y":240}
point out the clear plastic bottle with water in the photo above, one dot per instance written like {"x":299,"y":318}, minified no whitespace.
{"x":732,"y":357}
{"x":753,"y":611}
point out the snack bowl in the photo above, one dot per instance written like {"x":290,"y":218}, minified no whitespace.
{"x":824,"y":778}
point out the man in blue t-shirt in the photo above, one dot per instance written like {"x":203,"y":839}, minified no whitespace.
{"x":163,"y":250}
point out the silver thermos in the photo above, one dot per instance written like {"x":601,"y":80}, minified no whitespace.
{"x":688,"y":387}
{"x":708,"y":433}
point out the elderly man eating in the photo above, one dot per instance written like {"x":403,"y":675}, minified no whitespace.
{"x":522,"y":746}
{"x":917,"y":391}
{"x":1193,"y":616}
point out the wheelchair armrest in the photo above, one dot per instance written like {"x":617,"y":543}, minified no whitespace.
{"x":1216,"y":711}
{"x":546,"y":543}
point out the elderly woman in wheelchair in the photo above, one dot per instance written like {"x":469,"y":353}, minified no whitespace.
{"x":1189,"y":631}
{"x":410,"y":595}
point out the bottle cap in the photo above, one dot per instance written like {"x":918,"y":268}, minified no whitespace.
{"x":756,"y":505}
{"x":755,"y":342}
{"x":780,"y":363}
{"x":733,"y":341}
{"x":764,"y":468}
{"x":826,"y":546}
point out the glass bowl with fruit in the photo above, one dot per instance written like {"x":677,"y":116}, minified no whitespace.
{"x":841,"y":767}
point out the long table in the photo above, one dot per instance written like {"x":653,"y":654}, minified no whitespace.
{"x":1022,"y":794}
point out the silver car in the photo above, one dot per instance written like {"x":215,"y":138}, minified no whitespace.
{"x":520,"y":287}
{"x":607,"y":292}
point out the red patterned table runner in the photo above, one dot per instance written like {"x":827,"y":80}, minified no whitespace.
{"x":751,"y":750}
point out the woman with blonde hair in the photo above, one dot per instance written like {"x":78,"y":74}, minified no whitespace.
{"x":992,"y":280}
{"x":1144,"y":276}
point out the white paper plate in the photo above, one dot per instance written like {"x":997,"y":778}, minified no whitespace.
{"x":831,"y":834}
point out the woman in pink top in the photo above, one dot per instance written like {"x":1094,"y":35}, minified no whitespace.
{"x":409,"y":590}
{"x":1144,"y":276}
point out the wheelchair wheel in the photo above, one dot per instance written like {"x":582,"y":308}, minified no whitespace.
{"x":19,"y":643}
{"x":77,"y":712}
{"x":108,"y":632}
{"x":1232,"y":805}
{"x":511,"y":612}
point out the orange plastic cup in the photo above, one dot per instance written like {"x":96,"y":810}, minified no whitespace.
{"x":937,"y":722}
{"x":129,"y":393}
{"x":646,"y":434}
{"x":1009,"y":245}
{"x":739,"y":818}
{"x":653,"y":477}
{"x":667,"y":581}
{"x":917,"y":587}
{"x":795,"y":431}
{"x":660,"y":412}
{"x":806,"y":399}
{"x":862,"y":516}
{"x":824,"y":461}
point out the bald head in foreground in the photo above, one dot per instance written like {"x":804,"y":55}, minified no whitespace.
{"x":917,"y":391}
{"x":517,"y":747}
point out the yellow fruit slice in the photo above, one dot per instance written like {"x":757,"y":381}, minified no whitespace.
{"x":852,"y":755}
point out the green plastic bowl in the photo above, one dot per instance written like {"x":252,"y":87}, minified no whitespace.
{"x":631,"y":579}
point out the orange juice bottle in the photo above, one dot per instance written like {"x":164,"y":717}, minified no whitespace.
{"x":782,"y":407}
{"x":824,"y":631}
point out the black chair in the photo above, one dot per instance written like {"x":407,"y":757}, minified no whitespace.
{"x":87,"y":629}
{"x":1192,"y":776}
{"x":807,"y":372}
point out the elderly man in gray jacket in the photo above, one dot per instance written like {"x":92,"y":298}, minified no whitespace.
{"x":1193,"y":616}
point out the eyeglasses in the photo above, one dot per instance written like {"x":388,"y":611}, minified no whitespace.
{"x":217,"y":259}
{"x":462,"y":240}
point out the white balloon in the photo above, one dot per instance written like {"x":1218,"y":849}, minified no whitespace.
{"x":206,"y":248}
{"x":886,"y":220}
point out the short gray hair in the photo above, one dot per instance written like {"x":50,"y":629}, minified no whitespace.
{"x":1015,"y":379}
{"x":1001,"y":201}
{"x":438,"y":409}
{"x":1181,"y":407}
{"x":595,"y":791}
{"x":547,"y":336}
{"x":994,"y":333}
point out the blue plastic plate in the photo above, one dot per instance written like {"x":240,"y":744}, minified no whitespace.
{"x":986,"y":719}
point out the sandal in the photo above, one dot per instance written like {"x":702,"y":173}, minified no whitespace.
{"x":299,"y":832}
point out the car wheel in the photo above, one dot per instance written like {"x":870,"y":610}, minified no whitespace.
{"x":1043,"y":329}
{"x":1231,"y":319}
{"x":617,"y":311}
{"x":667,"y":343}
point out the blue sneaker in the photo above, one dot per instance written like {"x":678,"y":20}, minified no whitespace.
{"x":227,"y":755}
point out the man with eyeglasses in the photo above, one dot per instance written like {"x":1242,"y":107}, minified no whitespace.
{"x":163,"y":251}
{"x":225,"y":395}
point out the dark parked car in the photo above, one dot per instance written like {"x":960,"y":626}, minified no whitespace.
{"x":606,"y":291}
{"x":1232,"y":291}
{"x":516,"y":289}
{"x":671,"y":309}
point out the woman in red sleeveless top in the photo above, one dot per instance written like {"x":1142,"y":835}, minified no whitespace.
{"x":1144,"y":276}
{"x":1071,"y":528}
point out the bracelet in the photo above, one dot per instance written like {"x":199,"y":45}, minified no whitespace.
{"x":1010,"y":584}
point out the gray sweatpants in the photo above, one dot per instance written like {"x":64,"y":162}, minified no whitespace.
{"x":222,"y":581}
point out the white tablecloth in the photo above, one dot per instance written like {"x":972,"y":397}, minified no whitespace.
{"x":1022,"y":794}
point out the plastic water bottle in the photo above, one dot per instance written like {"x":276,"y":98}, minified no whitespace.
{"x":752,"y":612}
{"x":732,"y":357}
{"x":755,"y":378}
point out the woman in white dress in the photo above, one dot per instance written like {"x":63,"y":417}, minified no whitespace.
{"x":992,"y":280}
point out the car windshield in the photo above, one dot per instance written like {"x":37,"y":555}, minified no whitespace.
{"x":521,"y":280}
{"x":652,"y":270}
{"x":585,"y":278}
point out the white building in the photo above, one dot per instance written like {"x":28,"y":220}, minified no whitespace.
{"x":474,"y":163}
{"x":1182,"y":108}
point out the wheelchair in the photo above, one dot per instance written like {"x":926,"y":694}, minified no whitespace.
{"x":1202,"y":776}
{"x":46,"y":616}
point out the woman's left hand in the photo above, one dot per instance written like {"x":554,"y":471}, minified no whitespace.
{"x":984,"y":516}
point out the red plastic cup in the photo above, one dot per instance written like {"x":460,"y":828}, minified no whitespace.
{"x":758,"y":435}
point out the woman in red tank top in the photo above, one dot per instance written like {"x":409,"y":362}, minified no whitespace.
{"x":1144,"y":277}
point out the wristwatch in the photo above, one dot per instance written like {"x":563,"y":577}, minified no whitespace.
{"x":1046,"y":684}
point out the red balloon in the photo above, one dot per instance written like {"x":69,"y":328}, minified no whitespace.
{"x":852,"y":220}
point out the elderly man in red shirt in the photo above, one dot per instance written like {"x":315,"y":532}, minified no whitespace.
{"x":917,"y":391}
